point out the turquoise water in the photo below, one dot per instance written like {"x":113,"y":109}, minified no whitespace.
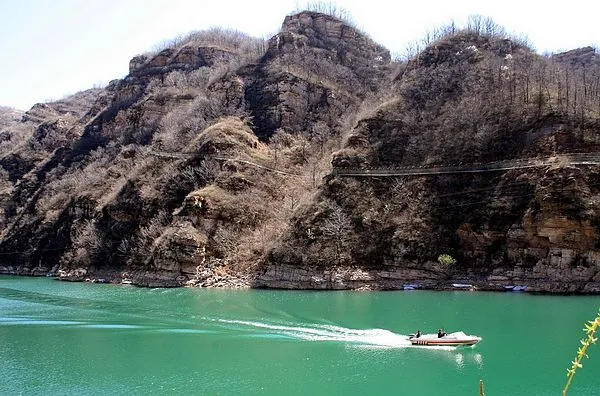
{"x":89,"y":339}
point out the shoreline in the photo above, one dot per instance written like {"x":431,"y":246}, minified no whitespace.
{"x":314,"y":281}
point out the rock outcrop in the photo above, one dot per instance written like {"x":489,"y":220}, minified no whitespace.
{"x":185,"y":58}
{"x":316,"y":68}
{"x":337,"y":41}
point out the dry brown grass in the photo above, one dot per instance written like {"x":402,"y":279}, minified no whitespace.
{"x":227,"y":134}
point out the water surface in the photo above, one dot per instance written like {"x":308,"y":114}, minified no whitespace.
{"x":90,"y":339}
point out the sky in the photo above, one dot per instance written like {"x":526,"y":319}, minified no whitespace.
{"x":53,"y":48}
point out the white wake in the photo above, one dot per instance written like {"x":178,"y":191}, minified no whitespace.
{"x":374,"y":338}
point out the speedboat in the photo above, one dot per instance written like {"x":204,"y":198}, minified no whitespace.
{"x":453,"y":339}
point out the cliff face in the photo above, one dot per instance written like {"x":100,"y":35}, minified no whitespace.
{"x":189,"y":168}
{"x":317,"y":69}
{"x":465,"y":101}
{"x":224,"y":160}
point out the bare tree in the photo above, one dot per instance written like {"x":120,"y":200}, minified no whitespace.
{"x":336,"y":230}
{"x":331,"y":9}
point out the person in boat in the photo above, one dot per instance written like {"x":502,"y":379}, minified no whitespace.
{"x":441,"y":333}
{"x":418,"y":334}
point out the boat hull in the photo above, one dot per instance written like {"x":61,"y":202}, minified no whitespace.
{"x":454,"y":339}
{"x":442,"y":342}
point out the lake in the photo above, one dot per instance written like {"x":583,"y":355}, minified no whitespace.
{"x":91,"y":339}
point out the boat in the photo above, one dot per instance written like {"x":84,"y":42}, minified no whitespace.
{"x":453,"y":339}
{"x":465,"y":286}
{"x":515,"y":288}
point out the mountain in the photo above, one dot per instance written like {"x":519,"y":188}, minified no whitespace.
{"x":312,"y":160}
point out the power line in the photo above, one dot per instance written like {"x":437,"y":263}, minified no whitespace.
{"x":499,"y":166}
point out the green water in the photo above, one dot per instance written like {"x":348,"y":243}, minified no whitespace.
{"x":79,"y":339}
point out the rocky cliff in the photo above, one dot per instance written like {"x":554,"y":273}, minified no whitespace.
{"x":224,"y":160}
{"x":465,"y":101}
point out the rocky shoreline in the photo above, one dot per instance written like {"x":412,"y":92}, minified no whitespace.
{"x":560,"y":279}
{"x":286,"y":277}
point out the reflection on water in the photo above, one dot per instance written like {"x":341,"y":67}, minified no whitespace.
{"x":460,"y":360}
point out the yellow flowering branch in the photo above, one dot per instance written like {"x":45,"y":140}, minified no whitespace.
{"x":590,"y":330}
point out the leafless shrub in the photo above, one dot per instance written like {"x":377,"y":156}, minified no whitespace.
{"x":225,"y":242}
{"x":336,"y":230}
{"x":53,"y":134}
{"x":86,"y":236}
{"x":199,"y":176}
{"x":197,"y":82}
{"x":480,"y":24}
{"x":147,"y":234}
{"x":182,"y":125}
{"x":331,"y":9}
{"x":86,"y":242}
{"x":112,"y":191}
{"x":59,"y":192}
{"x":155,"y":227}
{"x":176,"y":78}
{"x":229,"y":39}
{"x":336,"y":225}
{"x":154,"y":177}
{"x":15,"y":137}
{"x":252,"y":247}
{"x":476,"y":24}
{"x":197,"y":79}
{"x":126,"y":248}
{"x":101,"y":178}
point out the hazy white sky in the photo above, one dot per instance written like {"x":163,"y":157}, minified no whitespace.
{"x":51,"y":48}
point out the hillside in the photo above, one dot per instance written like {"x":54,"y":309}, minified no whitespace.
{"x":224,"y":160}
{"x":9,"y":116}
